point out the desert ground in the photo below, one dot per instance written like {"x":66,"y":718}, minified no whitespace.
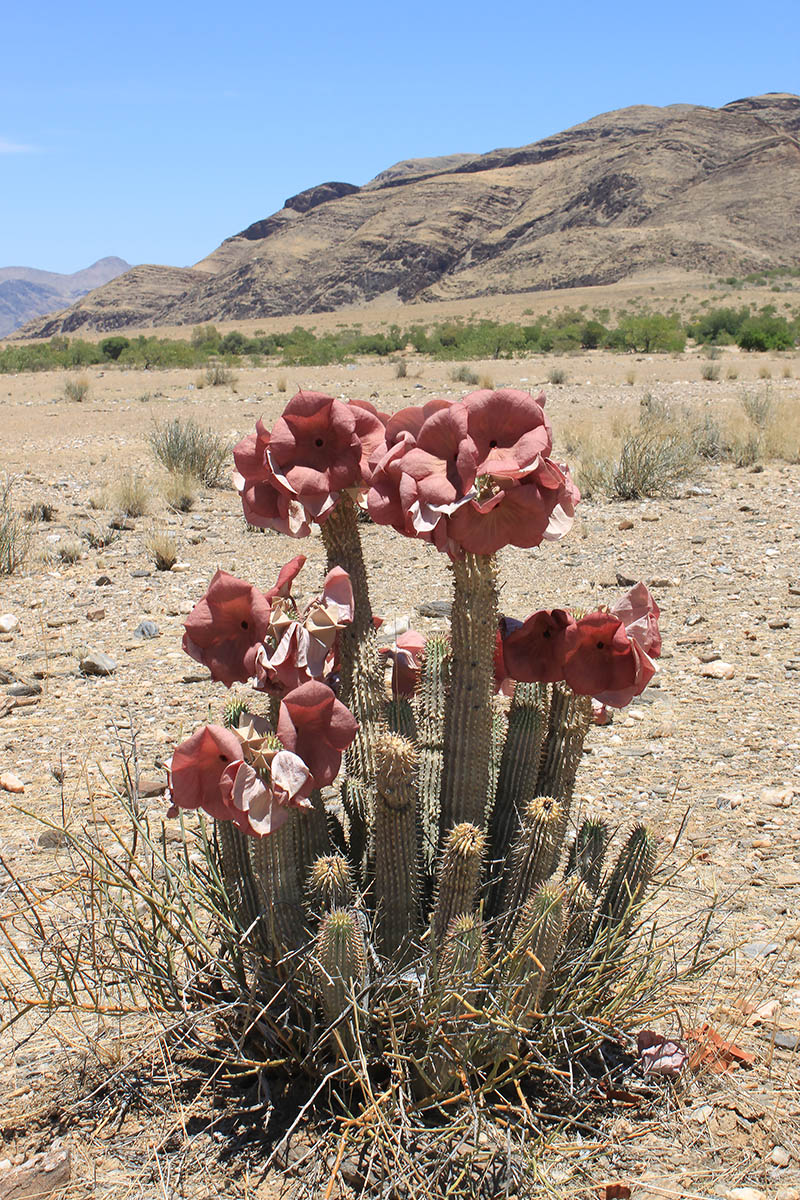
{"x":712,"y":750}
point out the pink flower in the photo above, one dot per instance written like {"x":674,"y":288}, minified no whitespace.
{"x":314,"y":452}
{"x":639,"y":614}
{"x":509,"y":430}
{"x":600,"y":660}
{"x":196,"y":769}
{"x":405,"y":655}
{"x":225,"y":628}
{"x":301,"y":647}
{"x":286,"y":577}
{"x":317,"y":727}
{"x":443,"y":461}
{"x":263,"y":503}
{"x":535,"y":652}
{"x":538,"y":507}
{"x":371,"y":433}
{"x":660,"y":1055}
{"x":258,"y":806}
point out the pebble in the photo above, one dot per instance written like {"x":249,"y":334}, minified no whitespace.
{"x":780,"y":1156}
{"x":180,"y":568}
{"x":25,"y":689}
{"x":776,"y":797}
{"x":392,"y":629}
{"x":51,"y":839}
{"x":435,"y":608}
{"x":626,"y":524}
{"x":102,"y":581}
{"x":146,"y":629}
{"x":41,"y":1176}
{"x":778,"y":623}
{"x":626,"y":579}
{"x":787,"y":1041}
{"x":141,"y":574}
{"x":8,"y":623}
{"x":759,"y":949}
{"x":745,"y":1193}
{"x":10,"y":782}
{"x":97,"y":663}
{"x":95,"y":614}
{"x":148,"y":787}
{"x":718,"y":670}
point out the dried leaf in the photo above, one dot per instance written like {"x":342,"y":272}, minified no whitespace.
{"x":714,"y":1053}
{"x":614,"y":1190}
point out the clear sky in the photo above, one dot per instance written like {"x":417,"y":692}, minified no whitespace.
{"x":154,"y":130}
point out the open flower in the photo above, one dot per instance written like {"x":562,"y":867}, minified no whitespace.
{"x":225,"y":629}
{"x":314,"y":451}
{"x":196,"y":768}
{"x":600,"y":660}
{"x":317,"y":727}
{"x":509,"y":431}
{"x":534,"y":653}
{"x":539,"y":506}
{"x":264,"y":504}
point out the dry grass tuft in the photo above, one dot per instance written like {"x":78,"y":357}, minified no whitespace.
{"x":163,"y":549}
{"x":70,"y":551}
{"x":218,"y":375}
{"x":40,"y":512}
{"x":14,"y":534}
{"x":185,"y":448}
{"x":464,"y":374}
{"x":180,"y":491}
{"x":130,"y":495}
{"x":281,"y":383}
{"x":557,"y":375}
{"x":486,"y":382}
{"x":76,"y":390}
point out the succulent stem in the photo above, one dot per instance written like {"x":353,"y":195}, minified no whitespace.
{"x":396,"y":868}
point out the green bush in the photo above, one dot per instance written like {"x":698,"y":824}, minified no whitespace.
{"x":766,"y":332}
{"x":112,"y":347}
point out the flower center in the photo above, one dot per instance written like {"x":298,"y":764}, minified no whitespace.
{"x":319,"y":442}
{"x":601,"y":645}
{"x":244,"y":625}
{"x":485,"y":486}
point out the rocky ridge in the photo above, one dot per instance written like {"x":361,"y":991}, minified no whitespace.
{"x":631,"y":191}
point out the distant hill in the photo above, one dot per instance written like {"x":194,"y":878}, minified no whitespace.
{"x":682,"y":187}
{"x":26,"y":292}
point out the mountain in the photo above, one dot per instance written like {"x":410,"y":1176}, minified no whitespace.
{"x":682,"y":187}
{"x":26,"y":292}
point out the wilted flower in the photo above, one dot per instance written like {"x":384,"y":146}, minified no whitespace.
{"x":639,"y":614}
{"x":300,"y":647}
{"x":405,"y":655}
{"x":660,"y":1055}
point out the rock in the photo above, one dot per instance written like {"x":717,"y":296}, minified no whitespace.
{"x":694,"y":618}
{"x":780,"y":1156}
{"x":787,"y":1041}
{"x":392,"y":629}
{"x":627,"y":523}
{"x":51,"y":839}
{"x":759,"y":949}
{"x":102,"y":581}
{"x":718,"y":670}
{"x":121,"y":523}
{"x":10,"y":782}
{"x":145,"y":630}
{"x":626,"y":579}
{"x":180,"y":568}
{"x":60,"y":622}
{"x":95,"y":614}
{"x":651,"y":516}
{"x":698,"y":540}
{"x":778,"y":623}
{"x":97,"y":663}
{"x":8,"y":623}
{"x":776,"y":797}
{"x":39,"y":1177}
{"x":745,"y":1193}
{"x":25,"y":689}
{"x":708,"y":656}
{"x":141,"y":574}
{"x":435,"y":608}
{"x":150,"y":786}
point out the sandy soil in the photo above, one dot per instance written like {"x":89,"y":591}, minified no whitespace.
{"x":722,"y":559}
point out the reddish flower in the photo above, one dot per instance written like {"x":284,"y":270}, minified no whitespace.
{"x":196,"y":769}
{"x":639,"y":614}
{"x":405,"y":655}
{"x":304,"y":646}
{"x":538,"y":507}
{"x":503,"y":681}
{"x":261,"y":805}
{"x":534,"y":653}
{"x":602,"y":661}
{"x":443,"y":460}
{"x":286,"y":577}
{"x":509,"y":430}
{"x":371,"y":433}
{"x":317,"y":727}
{"x":225,"y":628}
{"x":314,"y":451}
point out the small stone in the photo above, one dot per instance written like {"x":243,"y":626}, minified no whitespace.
{"x":627,"y":523}
{"x":97,"y":663}
{"x":51,"y":839}
{"x":787,"y":1041}
{"x":95,"y":614}
{"x":145,"y":630}
{"x":778,"y":623}
{"x":718,"y":670}
{"x":435,"y":608}
{"x":8,"y":623}
{"x":102,"y":581}
{"x":25,"y":689}
{"x":698,"y":490}
{"x":788,"y":1193}
{"x":698,"y":540}
{"x":702,"y":1113}
{"x":626,"y":579}
{"x":121,"y":523}
{"x":776,"y":797}
{"x":10,"y":782}
{"x":150,"y":786}
{"x":745,"y":1193}
{"x":650,"y":516}
{"x":60,"y":622}
{"x":392,"y":629}
{"x":759,"y":949}
{"x":664,"y":583}
{"x":180,"y":568}
{"x":780,"y":1156}
{"x":694,"y":618}
{"x":708,"y":656}
{"x":141,"y":574}
{"x":40,"y":1177}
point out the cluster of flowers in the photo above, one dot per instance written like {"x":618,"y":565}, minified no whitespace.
{"x":468,"y":475}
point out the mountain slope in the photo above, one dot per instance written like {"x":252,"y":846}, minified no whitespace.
{"x":689,"y":187}
{"x":26,"y":292}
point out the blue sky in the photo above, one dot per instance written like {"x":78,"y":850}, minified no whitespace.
{"x":153,"y":131}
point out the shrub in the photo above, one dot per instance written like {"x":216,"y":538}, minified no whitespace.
{"x":281,"y":383}
{"x":557,"y":375}
{"x":76,"y":390}
{"x":70,"y":551}
{"x":112,"y":347}
{"x":651,"y":464}
{"x":464,"y":375}
{"x":185,"y":448}
{"x":218,"y":375}
{"x":648,"y":333}
{"x":400,"y":369}
{"x":41,"y":511}
{"x":486,"y":383}
{"x":163,"y":549}
{"x":99,"y":539}
{"x":130,"y":495}
{"x":757,"y":408}
{"x":14,"y":534}
{"x":710,"y":372}
{"x":766,"y":332}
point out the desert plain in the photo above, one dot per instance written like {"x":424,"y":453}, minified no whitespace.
{"x":709,"y":755}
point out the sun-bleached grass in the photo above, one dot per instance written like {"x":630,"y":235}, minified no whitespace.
{"x":77,"y":390}
{"x":186,"y":448}
{"x":162,"y":548}
{"x":130,"y":495}
{"x":14,"y":533}
{"x":179,"y":489}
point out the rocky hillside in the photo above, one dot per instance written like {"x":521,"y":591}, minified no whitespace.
{"x":26,"y":292}
{"x":715,"y":190}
